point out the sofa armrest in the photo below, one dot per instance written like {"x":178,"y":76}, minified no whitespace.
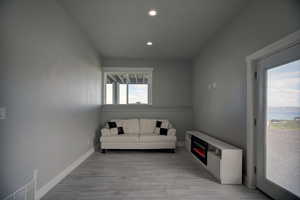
{"x":172,"y":131}
{"x":105,"y":132}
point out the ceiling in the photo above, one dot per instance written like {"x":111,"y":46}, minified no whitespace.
{"x":121,"y":28}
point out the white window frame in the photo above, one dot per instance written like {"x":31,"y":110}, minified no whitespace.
{"x":107,"y":70}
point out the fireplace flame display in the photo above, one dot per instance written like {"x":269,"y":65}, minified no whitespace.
{"x":199,"y":148}
{"x":200,"y":152}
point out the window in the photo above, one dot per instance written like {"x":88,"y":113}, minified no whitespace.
{"x":127,"y":85}
{"x":123,"y":93}
{"x":109,"y":93}
{"x":138,"y":93}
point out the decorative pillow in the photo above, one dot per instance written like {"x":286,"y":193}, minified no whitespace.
{"x":114,"y":129}
{"x":158,"y":124}
{"x":120,"y":130}
{"x":112,"y":124}
{"x":163,"y":131}
{"x":161,"y":128}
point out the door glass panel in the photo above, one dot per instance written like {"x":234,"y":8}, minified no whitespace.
{"x":283,"y":126}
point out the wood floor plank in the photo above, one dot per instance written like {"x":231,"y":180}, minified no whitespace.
{"x":143,"y":175}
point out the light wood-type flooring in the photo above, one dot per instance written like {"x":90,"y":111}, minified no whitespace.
{"x":145,"y":175}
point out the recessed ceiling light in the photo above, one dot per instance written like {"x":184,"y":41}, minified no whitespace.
{"x":149,"y":43}
{"x":152,"y":12}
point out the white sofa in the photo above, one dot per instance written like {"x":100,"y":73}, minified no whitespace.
{"x":138,"y":134}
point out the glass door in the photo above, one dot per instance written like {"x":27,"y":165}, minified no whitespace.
{"x":278,"y":119}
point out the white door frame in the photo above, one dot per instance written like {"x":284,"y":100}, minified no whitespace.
{"x":251,"y":61}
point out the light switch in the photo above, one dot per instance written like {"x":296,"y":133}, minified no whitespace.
{"x":214,"y":85}
{"x":3,"y":113}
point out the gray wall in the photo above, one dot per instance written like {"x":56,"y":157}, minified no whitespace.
{"x":172,"y":91}
{"x":50,"y":85}
{"x":221,"y":112}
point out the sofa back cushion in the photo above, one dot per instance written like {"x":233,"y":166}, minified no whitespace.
{"x":129,"y":125}
{"x":149,"y":125}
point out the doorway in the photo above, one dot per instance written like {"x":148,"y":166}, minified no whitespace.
{"x":278,"y":124}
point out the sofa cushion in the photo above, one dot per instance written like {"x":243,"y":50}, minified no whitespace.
{"x":123,"y":138}
{"x":106,"y":132}
{"x":172,"y":131}
{"x":129,"y":125}
{"x":150,"y":137}
{"x":147,"y":125}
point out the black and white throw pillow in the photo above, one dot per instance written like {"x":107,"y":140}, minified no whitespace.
{"x":120,"y":130}
{"x":161,"y":128}
{"x":112,"y":125}
{"x":115,"y":129}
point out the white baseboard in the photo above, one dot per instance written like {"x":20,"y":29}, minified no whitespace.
{"x":46,"y":188}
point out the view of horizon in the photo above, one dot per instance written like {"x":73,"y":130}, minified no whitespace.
{"x":284,"y":85}
{"x":283,"y":91}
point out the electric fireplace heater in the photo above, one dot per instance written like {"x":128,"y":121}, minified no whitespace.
{"x":199,"y":148}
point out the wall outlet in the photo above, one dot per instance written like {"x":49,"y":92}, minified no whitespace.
{"x":3,"y":113}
